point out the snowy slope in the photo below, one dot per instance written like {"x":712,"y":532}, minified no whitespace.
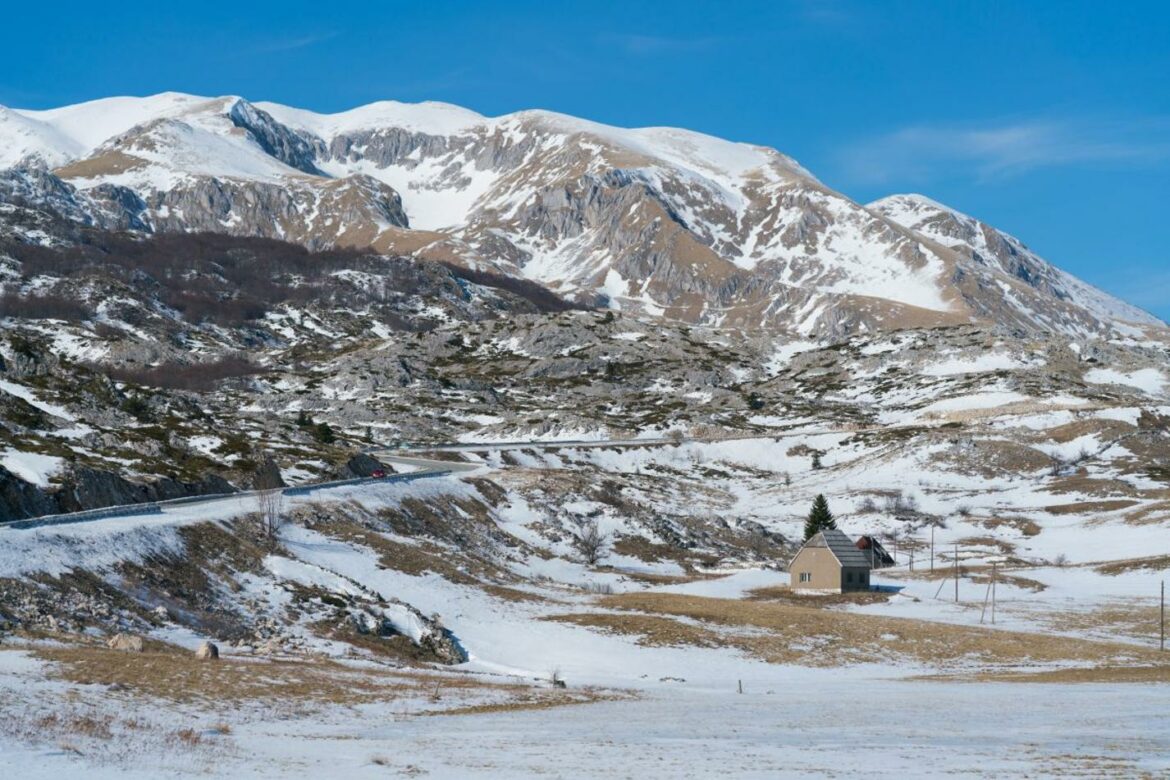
{"x":22,"y":137}
{"x":956,"y":229}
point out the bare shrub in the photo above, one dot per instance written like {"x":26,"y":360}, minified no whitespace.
{"x":1060,"y":560}
{"x":1058,"y":466}
{"x":599,"y":588}
{"x":899,"y":502}
{"x":591,"y":541}
{"x":44,"y":307}
{"x":539,"y":296}
{"x":189,"y":737}
{"x":270,"y":504}
{"x":867,"y":505}
{"x":184,"y":376}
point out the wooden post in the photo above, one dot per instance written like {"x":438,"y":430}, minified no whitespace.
{"x":932,"y":546}
{"x":1162,"y":618}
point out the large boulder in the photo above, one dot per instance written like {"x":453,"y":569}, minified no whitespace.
{"x":128,"y":643}
{"x":362,"y":465}
{"x":207,"y":652}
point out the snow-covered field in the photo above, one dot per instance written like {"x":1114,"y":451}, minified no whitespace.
{"x":790,"y":723}
{"x":657,"y":682}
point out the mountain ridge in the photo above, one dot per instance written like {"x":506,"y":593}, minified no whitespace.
{"x":661,"y":221}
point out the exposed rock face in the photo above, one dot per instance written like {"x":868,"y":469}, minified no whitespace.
{"x":128,"y":643}
{"x":20,"y":499}
{"x":88,"y":488}
{"x":267,"y":475}
{"x":354,"y":211}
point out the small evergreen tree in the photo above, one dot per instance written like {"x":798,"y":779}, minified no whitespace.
{"x":323,"y":433}
{"x":819,"y":518}
{"x":816,"y":460}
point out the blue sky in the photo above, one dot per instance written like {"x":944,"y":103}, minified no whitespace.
{"x":1048,"y":119}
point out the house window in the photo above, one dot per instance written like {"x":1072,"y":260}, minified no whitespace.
{"x":849,"y":577}
{"x":806,"y":576}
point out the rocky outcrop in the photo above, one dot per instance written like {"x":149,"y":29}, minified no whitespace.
{"x":127,"y":643}
{"x":207,"y":651}
{"x":362,"y":465}
{"x":83,"y":488}
{"x":274,"y":138}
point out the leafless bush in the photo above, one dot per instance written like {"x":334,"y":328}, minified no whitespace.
{"x":1060,"y":560}
{"x":196,"y":377}
{"x":898,"y":502}
{"x":270,"y":504}
{"x":963,"y":510}
{"x":599,"y":588}
{"x":541,"y":297}
{"x":189,"y":737}
{"x":1058,"y":466}
{"x":867,"y":505}
{"x":591,"y":541}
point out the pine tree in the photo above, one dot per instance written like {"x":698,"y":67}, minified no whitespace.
{"x":819,"y":518}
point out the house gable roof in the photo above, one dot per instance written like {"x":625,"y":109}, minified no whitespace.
{"x":842,"y":548}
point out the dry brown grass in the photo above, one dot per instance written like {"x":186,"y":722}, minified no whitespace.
{"x":787,"y":594}
{"x":1086,"y":507}
{"x":1022,"y":524}
{"x":414,"y":559}
{"x":512,"y":594}
{"x":787,"y":633}
{"x":651,"y":630}
{"x":551,"y":700}
{"x":299,"y":685}
{"x":1119,"y":618}
{"x":1094,"y":674}
{"x":1153,"y":563}
{"x":179,"y":677}
{"x":1024,"y":583}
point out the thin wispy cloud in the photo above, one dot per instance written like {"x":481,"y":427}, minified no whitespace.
{"x":291,"y":43}
{"x":1001,"y":150}
{"x":653,"y":45}
{"x":1146,"y":287}
{"x":829,"y":13}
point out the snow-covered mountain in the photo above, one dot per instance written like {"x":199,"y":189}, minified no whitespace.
{"x":656,"y":220}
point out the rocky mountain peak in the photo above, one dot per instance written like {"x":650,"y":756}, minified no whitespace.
{"x":658,"y":221}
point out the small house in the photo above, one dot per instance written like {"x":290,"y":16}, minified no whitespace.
{"x":879,"y":556}
{"x":830,"y":562}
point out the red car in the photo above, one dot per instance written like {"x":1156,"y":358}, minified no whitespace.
{"x":377,"y":474}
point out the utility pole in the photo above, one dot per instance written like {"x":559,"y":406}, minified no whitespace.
{"x":932,"y":546}
{"x":956,"y":574}
{"x":1162,"y":618}
{"x":993,"y":578}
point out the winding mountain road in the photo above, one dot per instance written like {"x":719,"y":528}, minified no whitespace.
{"x":422,"y":468}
